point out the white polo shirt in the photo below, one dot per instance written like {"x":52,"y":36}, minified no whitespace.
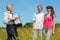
{"x":38,"y":20}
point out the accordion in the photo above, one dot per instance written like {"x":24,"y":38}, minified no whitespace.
{"x":18,"y":20}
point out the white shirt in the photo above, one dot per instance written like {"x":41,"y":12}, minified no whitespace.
{"x":38,"y":20}
{"x":7,"y":15}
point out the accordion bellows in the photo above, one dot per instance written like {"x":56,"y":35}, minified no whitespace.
{"x":17,"y":21}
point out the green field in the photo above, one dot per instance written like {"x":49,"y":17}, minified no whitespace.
{"x":26,"y":34}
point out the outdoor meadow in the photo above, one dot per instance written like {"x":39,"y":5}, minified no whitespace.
{"x":25,"y":33}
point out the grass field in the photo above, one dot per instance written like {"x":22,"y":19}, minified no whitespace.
{"x":26,"y":34}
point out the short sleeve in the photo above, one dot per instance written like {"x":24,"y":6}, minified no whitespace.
{"x":6,"y":18}
{"x":43,"y":16}
{"x":34,"y":17}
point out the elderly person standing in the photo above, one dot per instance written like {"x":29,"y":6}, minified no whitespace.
{"x":9,"y":21}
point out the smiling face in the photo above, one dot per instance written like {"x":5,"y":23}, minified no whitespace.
{"x":39,"y":8}
{"x":49,"y":10}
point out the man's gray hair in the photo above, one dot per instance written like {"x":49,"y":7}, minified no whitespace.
{"x":8,"y":5}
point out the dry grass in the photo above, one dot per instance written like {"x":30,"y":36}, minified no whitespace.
{"x":26,"y":34}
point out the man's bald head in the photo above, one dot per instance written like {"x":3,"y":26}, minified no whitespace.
{"x":9,"y":7}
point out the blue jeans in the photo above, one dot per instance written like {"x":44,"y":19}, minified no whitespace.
{"x":35,"y":33}
{"x":47,"y":33}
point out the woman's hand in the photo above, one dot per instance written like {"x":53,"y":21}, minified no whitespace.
{"x":53,"y":32}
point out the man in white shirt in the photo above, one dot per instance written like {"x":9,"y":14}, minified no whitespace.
{"x":9,"y":21}
{"x":38,"y":23}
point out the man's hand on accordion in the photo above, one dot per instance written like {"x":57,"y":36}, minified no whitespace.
{"x":12,"y":19}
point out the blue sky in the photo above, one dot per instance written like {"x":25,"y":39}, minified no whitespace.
{"x":26,"y":8}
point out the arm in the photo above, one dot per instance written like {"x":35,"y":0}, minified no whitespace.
{"x":12,"y":19}
{"x":32,"y":25}
{"x":6,"y":19}
{"x":34,"y":18}
{"x":54,"y":24}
